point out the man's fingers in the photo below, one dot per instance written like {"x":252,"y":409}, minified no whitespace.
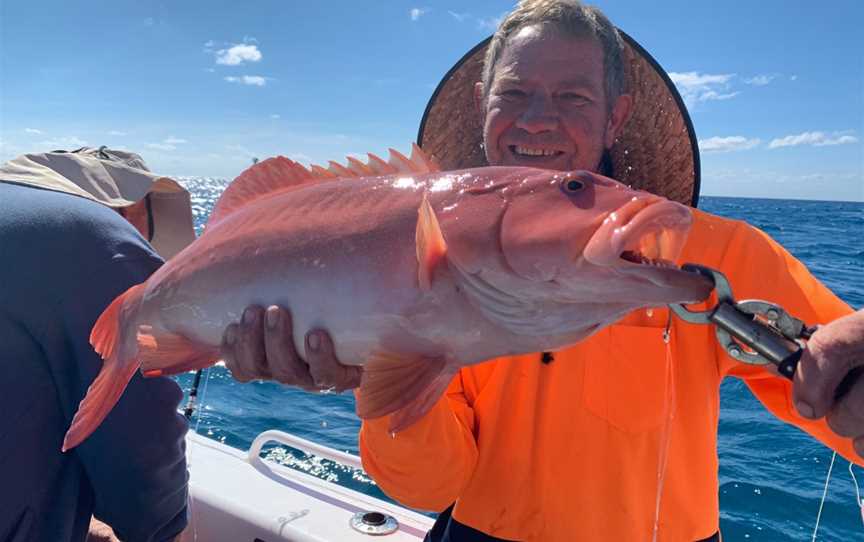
{"x":249,"y":344}
{"x":832,"y":352}
{"x":816,"y":381}
{"x":326,"y":370}
{"x":285,"y":365}
{"x":847,"y":417}
{"x":228,"y":351}
{"x":262,"y":346}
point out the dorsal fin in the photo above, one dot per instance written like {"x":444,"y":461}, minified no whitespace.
{"x":402,"y":163}
{"x":280,"y":173}
{"x":271,"y":175}
{"x":340,"y":171}
{"x":321,"y":173}
{"x":399,"y":163}
{"x":379,"y":166}
{"x":359,"y":167}
{"x":429,"y":163}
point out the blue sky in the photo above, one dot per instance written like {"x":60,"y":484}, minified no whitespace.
{"x":775,"y":88}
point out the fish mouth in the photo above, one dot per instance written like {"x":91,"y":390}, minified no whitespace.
{"x":643,"y":239}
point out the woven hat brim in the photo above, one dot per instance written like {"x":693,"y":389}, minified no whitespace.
{"x":656,"y":151}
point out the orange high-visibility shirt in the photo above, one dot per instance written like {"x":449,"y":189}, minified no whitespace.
{"x":569,"y":450}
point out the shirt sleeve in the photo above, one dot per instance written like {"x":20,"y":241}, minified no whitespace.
{"x":135,"y":461}
{"x":759,"y":268}
{"x":408,"y":466}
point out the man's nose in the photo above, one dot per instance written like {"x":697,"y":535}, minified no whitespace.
{"x":541,"y":115}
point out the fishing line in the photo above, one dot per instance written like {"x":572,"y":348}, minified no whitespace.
{"x":666,"y":433}
{"x":190,"y":406}
{"x":824,"y":494}
{"x":858,"y":500}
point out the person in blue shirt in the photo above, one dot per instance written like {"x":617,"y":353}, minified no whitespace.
{"x":64,"y":259}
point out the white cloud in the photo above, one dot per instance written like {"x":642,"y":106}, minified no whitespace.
{"x":416,"y":13}
{"x":63,"y":143}
{"x":699,"y":80}
{"x":174,"y":141}
{"x":793,"y":77}
{"x":702,"y":87}
{"x":459,"y":16}
{"x":33,"y":131}
{"x":238,"y":54}
{"x":727,"y":144}
{"x":275,"y":116}
{"x":761,"y":80}
{"x":209,"y":44}
{"x":817,"y":139}
{"x":241,"y":149}
{"x":714,"y":95}
{"x":162,"y":146}
{"x":254,"y":80}
{"x":117,"y":133}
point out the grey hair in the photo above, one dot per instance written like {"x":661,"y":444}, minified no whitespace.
{"x":572,"y":18}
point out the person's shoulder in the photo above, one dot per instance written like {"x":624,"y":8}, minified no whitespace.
{"x":728,"y":229}
{"x":703,"y":220}
{"x":66,"y":226}
{"x":712,"y":237}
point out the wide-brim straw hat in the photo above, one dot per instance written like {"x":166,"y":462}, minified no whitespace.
{"x":115,"y":178}
{"x":656,"y":150}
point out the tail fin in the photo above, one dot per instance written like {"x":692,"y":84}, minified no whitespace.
{"x":117,"y":369}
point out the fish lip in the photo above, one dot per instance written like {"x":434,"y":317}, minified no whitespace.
{"x":653,"y":228}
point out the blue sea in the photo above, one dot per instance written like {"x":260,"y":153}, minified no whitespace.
{"x":772,"y":475}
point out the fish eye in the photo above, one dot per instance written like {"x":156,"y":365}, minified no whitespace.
{"x":572,"y":186}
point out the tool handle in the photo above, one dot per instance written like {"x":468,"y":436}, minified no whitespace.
{"x":789,"y":365}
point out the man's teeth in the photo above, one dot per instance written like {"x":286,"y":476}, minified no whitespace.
{"x":535,"y":152}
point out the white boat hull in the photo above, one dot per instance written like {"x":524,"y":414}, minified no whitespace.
{"x":237,"y":496}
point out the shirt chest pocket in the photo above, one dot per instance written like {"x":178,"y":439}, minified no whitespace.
{"x":625,"y":377}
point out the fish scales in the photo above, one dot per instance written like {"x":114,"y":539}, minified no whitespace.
{"x":414,"y":273}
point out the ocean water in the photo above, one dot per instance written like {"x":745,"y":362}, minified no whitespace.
{"x":771,"y":474}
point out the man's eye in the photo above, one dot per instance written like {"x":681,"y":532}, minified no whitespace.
{"x":513,"y":93}
{"x":574,"y":97}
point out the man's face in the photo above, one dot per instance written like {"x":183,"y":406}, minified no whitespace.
{"x":137,"y":215}
{"x":547,"y":106}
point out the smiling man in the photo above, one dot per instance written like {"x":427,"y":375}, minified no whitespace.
{"x":548,"y":102}
{"x":614,"y":438}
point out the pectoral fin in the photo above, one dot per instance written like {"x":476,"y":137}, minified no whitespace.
{"x":404,"y":387}
{"x":431,"y":247}
{"x":162,"y":353}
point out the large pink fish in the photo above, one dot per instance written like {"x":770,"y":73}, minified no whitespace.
{"x":415,"y":272}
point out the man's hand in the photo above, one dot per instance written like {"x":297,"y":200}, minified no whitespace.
{"x":261,"y":346}
{"x":832,"y":352}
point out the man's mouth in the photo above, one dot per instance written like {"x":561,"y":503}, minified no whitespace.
{"x":534,"y":152}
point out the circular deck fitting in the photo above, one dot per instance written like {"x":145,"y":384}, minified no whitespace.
{"x":374,"y":523}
